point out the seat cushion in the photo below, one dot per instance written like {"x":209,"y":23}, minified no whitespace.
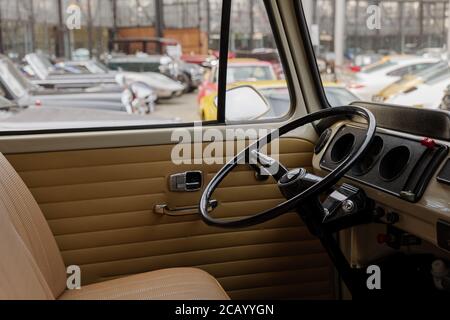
{"x":166,"y":284}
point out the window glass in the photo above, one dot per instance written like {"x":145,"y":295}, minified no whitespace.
{"x":254,"y":61}
{"x":387,"y":51}
{"x":105,"y":63}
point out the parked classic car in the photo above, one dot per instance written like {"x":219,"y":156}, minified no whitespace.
{"x":89,"y":73}
{"x":426,"y":93}
{"x":17,"y":87}
{"x":45,"y":74}
{"x":190,"y":74}
{"x":240,"y":69}
{"x":142,"y":62}
{"x":377,"y":76}
{"x":163,"y":86}
{"x":410,"y":81}
{"x":202,"y":60}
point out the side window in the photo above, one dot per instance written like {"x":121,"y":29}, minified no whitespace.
{"x":256,"y":82}
{"x":156,"y":62}
{"x":363,"y":40}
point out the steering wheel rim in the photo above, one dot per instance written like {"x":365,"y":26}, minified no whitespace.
{"x":331,"y":179}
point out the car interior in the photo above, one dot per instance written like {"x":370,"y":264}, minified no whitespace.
{"x":355,"y":186}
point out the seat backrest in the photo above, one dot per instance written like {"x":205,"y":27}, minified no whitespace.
{"x":31,"y":266}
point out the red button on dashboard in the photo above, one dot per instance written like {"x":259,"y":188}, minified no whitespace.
{"x":429,"y":143}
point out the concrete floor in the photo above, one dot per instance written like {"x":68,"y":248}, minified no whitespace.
{"x":185,"y":108}
{"x":180,"y":109}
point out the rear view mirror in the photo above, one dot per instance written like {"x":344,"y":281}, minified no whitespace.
{"x":244,"y":103}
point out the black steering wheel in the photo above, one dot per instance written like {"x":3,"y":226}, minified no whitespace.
{"x":301,"y":198}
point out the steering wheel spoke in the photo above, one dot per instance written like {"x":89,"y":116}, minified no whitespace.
{"x":266,"y":166}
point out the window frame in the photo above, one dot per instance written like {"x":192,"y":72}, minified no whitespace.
{"x":311,"y":56}
{"x":223,"y":66}
{"x":223,"y":63}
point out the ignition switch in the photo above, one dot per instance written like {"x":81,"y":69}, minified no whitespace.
{"x":347,"y":206}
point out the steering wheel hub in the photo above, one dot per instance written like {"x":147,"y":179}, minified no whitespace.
{"x":292,"y":176}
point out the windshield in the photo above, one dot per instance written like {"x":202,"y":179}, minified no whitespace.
{"x":410,"y":40}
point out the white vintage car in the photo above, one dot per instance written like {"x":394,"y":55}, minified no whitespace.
{"x":377,"y":76}
{"x":85,"y":74}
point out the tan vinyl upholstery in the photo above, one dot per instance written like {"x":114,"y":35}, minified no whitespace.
{"x":31,"y":266}
{"x":20,"y":277}
{"x":167,"y":284}
{"x":99,"y":206}
{"x":31,"y":234}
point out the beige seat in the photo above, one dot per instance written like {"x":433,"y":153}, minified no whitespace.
{"x":31,"y":266}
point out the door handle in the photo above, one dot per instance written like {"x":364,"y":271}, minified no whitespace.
{"x":164,"y":209}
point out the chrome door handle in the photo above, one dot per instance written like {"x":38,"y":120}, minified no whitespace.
{"x":164,"y":209}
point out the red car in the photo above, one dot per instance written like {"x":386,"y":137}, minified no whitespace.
{"x":239,"y":70}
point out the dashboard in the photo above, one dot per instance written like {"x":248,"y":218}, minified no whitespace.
{"x":403,"y":173}
{"x":400,"y":166}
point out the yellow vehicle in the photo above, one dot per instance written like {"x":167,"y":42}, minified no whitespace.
{"x":410,"y":82}
{"x":337,"y":95}
{"x":385,"y":60}
{"x":208,"y":108}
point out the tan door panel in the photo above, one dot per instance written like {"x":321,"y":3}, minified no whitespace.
{"x":99,"y":205}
